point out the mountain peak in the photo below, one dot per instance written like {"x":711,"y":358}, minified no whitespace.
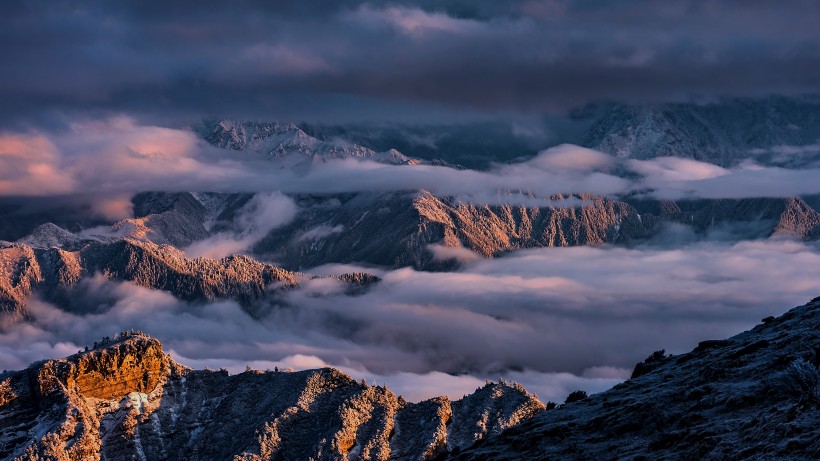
{"x":287,"y":143}
{"x":50,"y":235}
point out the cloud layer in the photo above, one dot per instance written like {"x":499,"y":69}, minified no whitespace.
{"x":263,"y":213}
{"x":554,"y":319}
{"x":114,"y":157}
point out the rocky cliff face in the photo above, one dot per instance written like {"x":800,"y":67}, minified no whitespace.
{"x":126,"y":399}
{"x":753,"y":396}
{"x":746,"y":218}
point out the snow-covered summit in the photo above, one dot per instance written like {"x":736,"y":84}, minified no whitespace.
{"x":287,"y":143}
{"x":50,"y":235}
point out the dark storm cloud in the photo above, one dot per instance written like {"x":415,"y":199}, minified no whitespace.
{"x":301,"y":60}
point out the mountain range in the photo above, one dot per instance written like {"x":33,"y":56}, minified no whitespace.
{"x":774,"y":130}
{"x":392,"y":230}
{"x":777,"y":131}
{"x":753,"y":396}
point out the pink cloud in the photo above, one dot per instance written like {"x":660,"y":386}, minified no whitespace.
{"x":31,"y":165}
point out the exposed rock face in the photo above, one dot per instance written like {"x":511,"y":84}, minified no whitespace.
{"x":19,"y":274}
{"x":180,"y":218}
{"x":723,"y":133}
{"x":128,"y":400}
{"x":52,"y":410}
{"x":753,"y":396}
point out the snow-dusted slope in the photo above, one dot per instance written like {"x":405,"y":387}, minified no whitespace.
{"x":125,"y":399}
{"x":775,"y":131}
{"x":287,"y":143}
{"x":50,"y":235}
{"x":753,"y":396}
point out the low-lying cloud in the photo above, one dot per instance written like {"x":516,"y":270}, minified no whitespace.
{"x":554,"y":319}
{"x":263,"y":213}
{"x":116,"y":157}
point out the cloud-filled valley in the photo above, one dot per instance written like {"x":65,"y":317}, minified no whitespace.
{"x":554,"y":319}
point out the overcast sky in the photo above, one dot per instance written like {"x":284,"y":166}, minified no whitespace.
{"x":405,"y":60}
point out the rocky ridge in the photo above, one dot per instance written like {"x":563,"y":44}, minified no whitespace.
{"x":54,"y":273}
{"x":393,"y":230}
{"x":126,"y":399}
{"x":397,"y":229}
{"x":753,"y":396}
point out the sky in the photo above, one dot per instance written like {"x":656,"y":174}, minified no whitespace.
{"x":425,"y":60}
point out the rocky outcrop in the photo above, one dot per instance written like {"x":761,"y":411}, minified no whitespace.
{"x":53,"y":409}
{"x":19,"y":274}
{"x":126,"y":399}
{"x":753,"y":396}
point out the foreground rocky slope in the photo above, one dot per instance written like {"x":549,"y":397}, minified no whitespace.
{"x":126,"y":399}
{"x":753,"y":396}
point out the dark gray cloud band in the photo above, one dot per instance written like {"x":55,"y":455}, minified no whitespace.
{"x":318,"y":60}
